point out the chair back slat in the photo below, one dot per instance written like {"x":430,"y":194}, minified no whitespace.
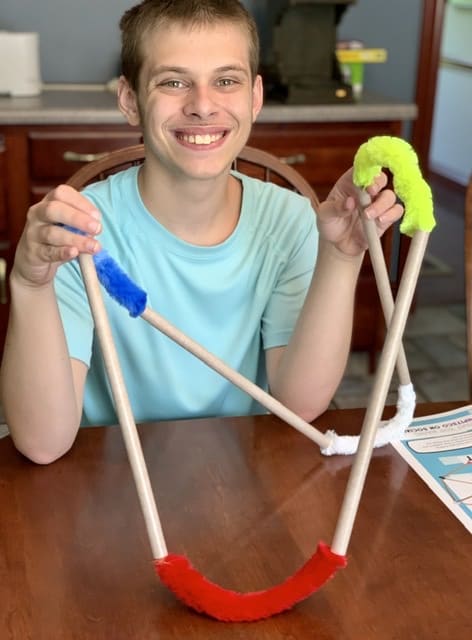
{"x":251,"y":161}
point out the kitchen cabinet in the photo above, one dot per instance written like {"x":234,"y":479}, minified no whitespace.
{"x":321,"y":152}
{"x":42,"y":145}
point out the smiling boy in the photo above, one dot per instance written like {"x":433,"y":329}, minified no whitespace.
{"x":243,"y":267}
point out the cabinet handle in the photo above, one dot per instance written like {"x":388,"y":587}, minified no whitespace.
{"x":73,"y":156}
{"x":298,"y":158}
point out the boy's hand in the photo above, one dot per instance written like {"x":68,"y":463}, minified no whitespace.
{"x":45,"y":244}
{"x":338,"y":216}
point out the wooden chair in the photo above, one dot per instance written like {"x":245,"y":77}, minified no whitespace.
{"x":468,"y":278}
{"x":253,"y":162}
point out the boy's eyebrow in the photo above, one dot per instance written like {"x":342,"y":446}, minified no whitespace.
{"x":184,"y":70}
{"x":233,"y":67}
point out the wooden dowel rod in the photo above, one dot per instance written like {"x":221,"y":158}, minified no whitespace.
{"x":123,"y":407}
{"x":379,"y":392}
{"x":264,"y":398}
{"x":383,"y":281}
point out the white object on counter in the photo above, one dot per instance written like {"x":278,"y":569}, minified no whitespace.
{"x":19,"y":64}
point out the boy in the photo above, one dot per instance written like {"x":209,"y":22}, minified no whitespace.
{"x":242,"y":266}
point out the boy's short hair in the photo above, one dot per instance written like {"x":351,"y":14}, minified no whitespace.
{"x":149,"y":14}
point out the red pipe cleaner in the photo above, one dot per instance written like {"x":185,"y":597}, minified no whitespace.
{"x":206,"y":597}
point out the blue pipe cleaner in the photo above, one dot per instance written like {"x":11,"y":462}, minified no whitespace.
{"x":116,"y":282}
{"x":119,"y":285}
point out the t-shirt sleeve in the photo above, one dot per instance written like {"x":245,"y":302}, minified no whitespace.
{"x":288,"y":296}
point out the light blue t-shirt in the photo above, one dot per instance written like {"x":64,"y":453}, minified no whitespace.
{"x":236,"y":298}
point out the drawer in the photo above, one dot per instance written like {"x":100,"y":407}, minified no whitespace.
{"x":317,"y":162}
{"x":54,"y":156}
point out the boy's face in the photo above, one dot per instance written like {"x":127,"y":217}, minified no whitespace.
{"x":196,"y":100}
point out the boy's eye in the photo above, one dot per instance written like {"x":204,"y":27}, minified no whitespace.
{"x":173,"y":84}
{"x":226,"y":82}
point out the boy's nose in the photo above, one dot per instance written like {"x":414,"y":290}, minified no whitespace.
{"x":200,"y":103}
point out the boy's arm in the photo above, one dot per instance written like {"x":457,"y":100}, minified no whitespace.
{"x":305,"y":374}
{"x":41,"y":387}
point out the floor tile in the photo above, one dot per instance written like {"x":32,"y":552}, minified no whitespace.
{"x":459,"y":340}
{"x":433,"y":320}
{"x":458,"y":310}
{"x":442,"y":384}
{"x":417,"y":359}
{"x":358,"y":364}
{"x":442,"y":350}
{"x":435,"y":347}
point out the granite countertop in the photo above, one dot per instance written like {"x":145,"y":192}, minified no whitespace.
{"x":79,"y":106}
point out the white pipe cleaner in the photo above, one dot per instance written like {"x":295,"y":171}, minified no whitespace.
{"x":388,"y":430}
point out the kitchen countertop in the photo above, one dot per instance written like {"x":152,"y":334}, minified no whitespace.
{"x":79,"y":106}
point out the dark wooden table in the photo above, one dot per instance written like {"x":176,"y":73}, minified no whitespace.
{"x":246,"y":500}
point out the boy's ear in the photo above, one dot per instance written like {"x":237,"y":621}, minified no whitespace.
{"x":128,"y":102}
{"x":257,"y":97}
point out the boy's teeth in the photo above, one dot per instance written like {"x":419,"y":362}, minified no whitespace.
{"x":202,"y":139}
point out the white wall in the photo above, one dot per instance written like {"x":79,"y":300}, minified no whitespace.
{"x":393,"y":25}
{"x":79,"y":41}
